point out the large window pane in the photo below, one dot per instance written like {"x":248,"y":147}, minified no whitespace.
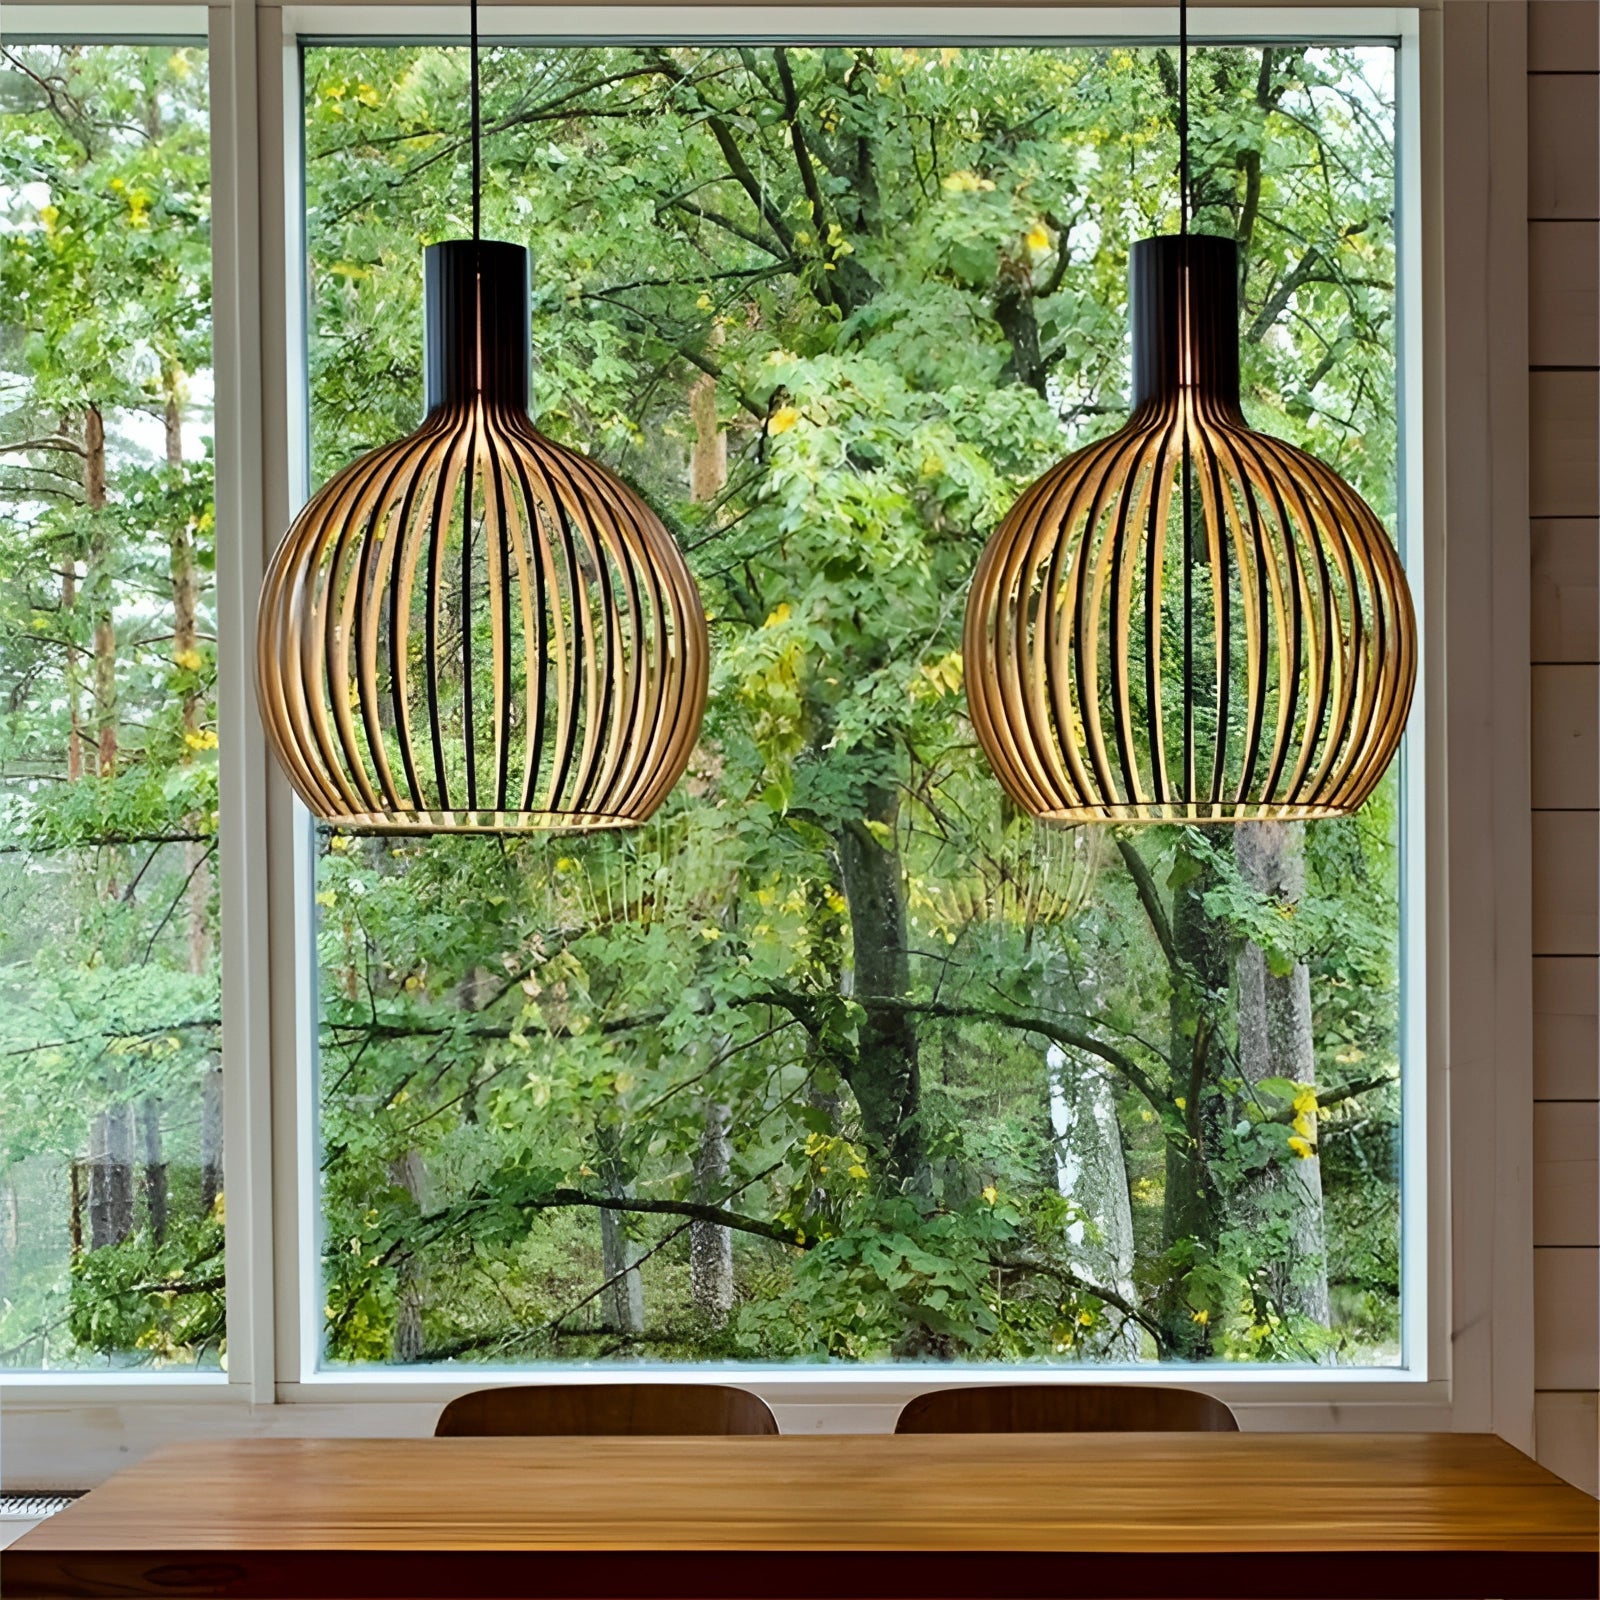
{"x":839,"y":1058}
{"x":110,"y":1077}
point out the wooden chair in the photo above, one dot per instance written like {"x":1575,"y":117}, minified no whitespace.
{"x":605,"y":1408}
{"x":1066,"y":1408}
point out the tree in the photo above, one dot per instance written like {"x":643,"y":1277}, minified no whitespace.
{"x":838,"y":1057}
{"x":107,"y":754}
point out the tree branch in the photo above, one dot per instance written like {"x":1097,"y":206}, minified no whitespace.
{"x":1149,"y":898}
{"x":1048,"y":1027}
{"x":1073,"y":1281}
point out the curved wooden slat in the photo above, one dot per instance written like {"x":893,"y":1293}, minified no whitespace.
{"x":596,"y":666}
{"x":1296,"y":593}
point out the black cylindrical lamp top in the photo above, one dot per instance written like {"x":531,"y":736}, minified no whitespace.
{"x":1184,"y":305}
{"x":467,"y":287}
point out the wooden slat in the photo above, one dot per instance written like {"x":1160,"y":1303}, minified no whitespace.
{"x":1565,"y":622}
{"x":1563,"y":36}
{"x":1563,"y":152}
{"x":1567,"y":1428}
{"x":1566,"y":858}
{"x":1564,"y":294}
{"x":1566,"y":742}
{"x":1564,"y":444}
{"x":1566,"y":1317}
{"x":1566,"y":1158}
{"x":1566,"y":1037}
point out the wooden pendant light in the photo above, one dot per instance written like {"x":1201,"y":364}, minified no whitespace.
{"x":475,"y":629}
{"x":1189,"y":621}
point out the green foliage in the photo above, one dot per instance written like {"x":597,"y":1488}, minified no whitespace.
{"x":903,"y":273}
{"x":162,"y":1302}
{"x":837,"y":1059}
{"x":109,"y":1002}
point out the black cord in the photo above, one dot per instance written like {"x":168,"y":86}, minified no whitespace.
{"x":477,"y":133}
{"x":1183,"y":116}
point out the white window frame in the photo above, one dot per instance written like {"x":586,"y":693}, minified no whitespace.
{"x":1467,"y":1231}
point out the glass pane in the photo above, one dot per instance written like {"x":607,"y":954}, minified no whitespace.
{"x":110,"y":1074}
{"x":838,"y":1059}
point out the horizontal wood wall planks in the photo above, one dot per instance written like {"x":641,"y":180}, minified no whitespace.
{"x":1566,"y":1161}
{"x":1566,"y":857}
{"x":1566,"y":741}
{"x":1565,"y":622}
{"x":1563,"y":36}
{"x":1566,"y":1311}
{"x":1564,"y":443}
{"x":1567,"y":1429}
{"x":1563,"y":59}
{"x":1566,"y":1027}
{"x":929,"y":1516}
{"x":1564,"y":294}
{"x":1563,"y":156}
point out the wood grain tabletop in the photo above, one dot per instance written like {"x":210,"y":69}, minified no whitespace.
{"x":1018,"y":1515}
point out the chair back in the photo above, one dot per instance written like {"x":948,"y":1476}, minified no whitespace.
{"x":605,"y":1408}
{"x":1066,"y":1408}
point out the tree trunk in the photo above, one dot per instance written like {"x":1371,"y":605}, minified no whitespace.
{"x":1015,"y":314}
{"x":1275,"y":1041}
{"x":155,"y":1169}
{"x":1092,"y":1173}
{"x":110,"y":1177}
{"x":410,"y":1174}
{"x":708,"y":458}
{"x":1199,"y":984}
{"x":100,"y":594}
{"x":210,"y":1136}
{"x":74,"y":1209}
{"x":69,"y":607}
{"x":885,"y":1076}
{"x":622,"y":1301}
{"x":184,"y":571}
{"x":710,"y":1246}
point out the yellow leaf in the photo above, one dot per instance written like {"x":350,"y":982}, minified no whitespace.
{"x":1202,"y":1317}
{"x":782,"y":420}
{"x":1037,"y":237}
{"x":991,"y":1194}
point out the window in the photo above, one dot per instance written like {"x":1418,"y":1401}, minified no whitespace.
{"x":111,"y":1249}
{"x":837,"y":1060}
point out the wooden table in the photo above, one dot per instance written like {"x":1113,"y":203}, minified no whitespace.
{"x":930,"y":1517}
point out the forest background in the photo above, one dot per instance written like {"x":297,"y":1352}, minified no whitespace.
{"x":838,"y":1058}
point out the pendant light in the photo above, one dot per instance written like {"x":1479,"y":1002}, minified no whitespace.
{"x":1189,"y":621}
{"x":475,"y":629}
